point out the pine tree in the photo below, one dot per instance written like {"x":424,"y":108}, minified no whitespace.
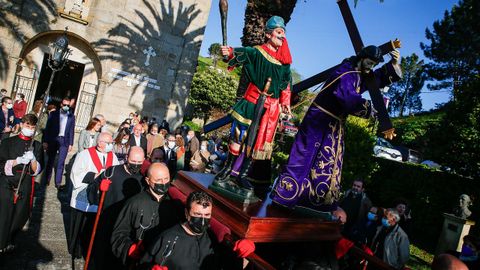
{"x":405,"y":94}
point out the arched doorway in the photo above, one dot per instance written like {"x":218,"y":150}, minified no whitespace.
{"x":79,"y":79}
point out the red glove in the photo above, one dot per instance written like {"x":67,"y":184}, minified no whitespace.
{"x":136,"y":250}
{"x":342,"y":247}
{"x":244,"y":248}
{"x":104,"y":185}
{"x":158,"y":267}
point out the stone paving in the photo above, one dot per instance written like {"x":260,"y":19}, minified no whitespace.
{"x":42,"y":244}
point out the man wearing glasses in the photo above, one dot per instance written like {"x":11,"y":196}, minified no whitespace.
{"x":58,"y":138}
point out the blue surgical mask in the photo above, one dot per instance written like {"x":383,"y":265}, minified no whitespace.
{"x":371,"y":216}
{"x":467,"y":251}
{"x":385,"y":223}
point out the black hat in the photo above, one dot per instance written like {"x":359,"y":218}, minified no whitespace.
{"x":372,"y":52}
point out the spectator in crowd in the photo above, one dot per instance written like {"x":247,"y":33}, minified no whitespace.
{"x":470,"y":251}
{"x":218,"y":159}
{"x":199,"y":161}
{"x":193,"y":145}
{"x":144,"y":123}
{"x":88,"y":136}
{"x":180,"y":143}
{"x":103,"y":122}
{"x":154,"y":139}
{"x":42,"y":121}
{"x":121,"y":146}
{"x":168,"y":154}
{"x":165,"y":125}
{"x":124,"y":124}
{"x":51,"y":108}
{"x":137,"y":138}
{"x":402,"y":206}
{"x":356,"y":204}
{"x":58,"y":138}
{"x":7,"y":118}
{"x":195,"y":246}
{"x":391,"y":243}
{"x":3,"y":93}
{"x":448,"y":262}
{"x":20,"y":106}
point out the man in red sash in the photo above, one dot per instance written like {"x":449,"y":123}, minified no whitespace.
{"x":15,"y":156}
{"x":88,"y":164}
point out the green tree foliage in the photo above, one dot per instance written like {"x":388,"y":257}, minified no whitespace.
{"x":210,"y":90}
{"x":456,"y":141}
{"x":454,"y":46}
{"x":358,"y":160}
{"x":455,"y":51}
{"x":215,"y":53}
{"x":405,"y":94}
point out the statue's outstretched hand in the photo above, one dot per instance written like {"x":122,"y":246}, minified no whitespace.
{"x":395,"y":54}
{"x":225,"y":50}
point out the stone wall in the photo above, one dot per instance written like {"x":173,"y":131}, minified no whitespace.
{"x":120,"y":32}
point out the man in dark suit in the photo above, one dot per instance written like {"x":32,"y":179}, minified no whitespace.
{"x":138,"y":139}
{"x":7,"y":118}
{"x":58,"y":138}
{"x":168,"y":154}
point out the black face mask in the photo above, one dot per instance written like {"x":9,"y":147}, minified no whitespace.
{"x":134,"y":168}
{"x":199,"y":224}
{"x":160,"y":189}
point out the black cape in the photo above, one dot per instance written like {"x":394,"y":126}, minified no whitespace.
{"x":189,"y":252}
{"x":14,"y":216}
{"x":124,"y":186}
{"x":143,"y":218}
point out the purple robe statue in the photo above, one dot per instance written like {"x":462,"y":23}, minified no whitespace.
{"x":311,"y":178}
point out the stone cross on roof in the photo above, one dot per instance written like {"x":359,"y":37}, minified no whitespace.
{"x":149,"y":52}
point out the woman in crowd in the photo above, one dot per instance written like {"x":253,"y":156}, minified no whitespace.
{"x":121,"y":146}
{"x":199,"y":160}
{"x":88,"y":136}
{"x":180,"y":142}
{"x":42,"y":121}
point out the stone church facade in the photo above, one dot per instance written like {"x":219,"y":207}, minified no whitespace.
{"x":127,"y":55}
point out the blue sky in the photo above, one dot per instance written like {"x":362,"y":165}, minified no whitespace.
{"x":318,"y":38}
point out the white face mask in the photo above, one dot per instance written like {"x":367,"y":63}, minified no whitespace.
{"x":124,"y":141}
{"x":109,"y":147}
{"x":9,"y":106}
{"x":203,"y":148}
{"x":171,"y":145}
{"x":27,"y":132}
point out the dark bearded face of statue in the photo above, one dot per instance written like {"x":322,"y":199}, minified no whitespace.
{"x":275,"y":38}
{"x":366,"y":65}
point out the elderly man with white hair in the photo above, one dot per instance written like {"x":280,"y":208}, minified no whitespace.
{"x":88,"y":164}
{"x":391,"y":243}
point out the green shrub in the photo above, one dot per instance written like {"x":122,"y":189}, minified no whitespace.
{"x":429,"y":192}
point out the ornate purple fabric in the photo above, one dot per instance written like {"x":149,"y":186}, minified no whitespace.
{"x":312,"y":176}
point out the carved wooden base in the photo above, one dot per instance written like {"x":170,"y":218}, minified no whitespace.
{"x":261,"y":222}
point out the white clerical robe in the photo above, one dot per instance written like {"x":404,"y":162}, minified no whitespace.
{"x":83,"y":164}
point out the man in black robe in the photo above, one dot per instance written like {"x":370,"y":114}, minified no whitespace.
{"x":190,"y":246}
{"x":15,"y":155}
{"x":144,"y":216}
{"x":120,"y":183}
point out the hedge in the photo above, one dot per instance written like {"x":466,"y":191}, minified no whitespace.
{"x":429,"y":193}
